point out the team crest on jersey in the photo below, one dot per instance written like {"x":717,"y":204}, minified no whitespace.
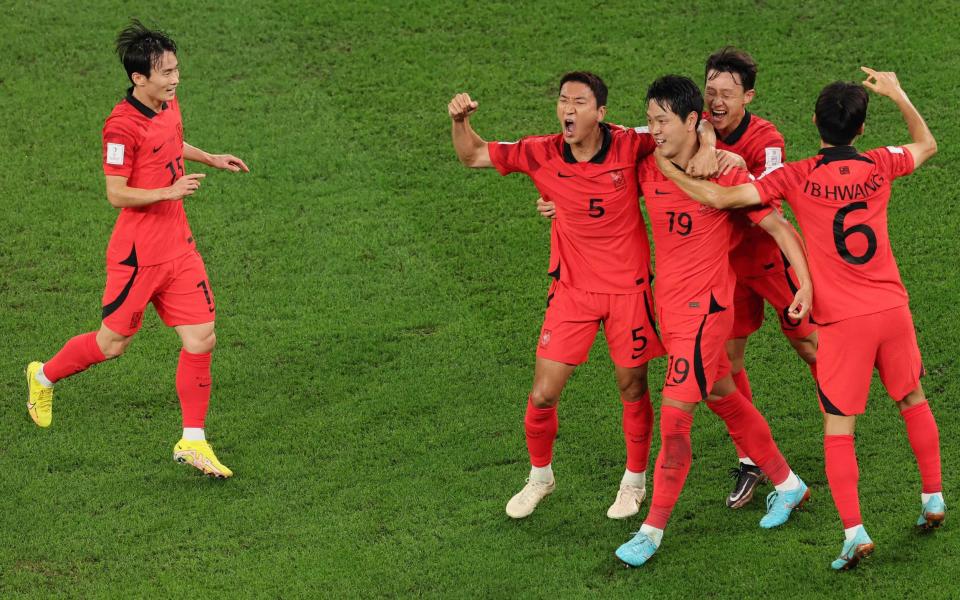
{"x":545,"y":338}
{"x":618,"y":180}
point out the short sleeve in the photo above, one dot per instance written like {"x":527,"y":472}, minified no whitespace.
{"x":644,"y":141}
{"x":773,"y":185}
{"x":119,"y":145}
{"x":514,"y":157}
{"x":892,"y":161}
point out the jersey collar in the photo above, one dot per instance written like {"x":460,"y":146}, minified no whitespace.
{"x":601,"y":154}
{"x":140,"y":106}
{"x":829,"y":155}
{"x":737,"y":133}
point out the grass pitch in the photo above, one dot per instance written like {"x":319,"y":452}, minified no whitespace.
{"x":379,"y":307}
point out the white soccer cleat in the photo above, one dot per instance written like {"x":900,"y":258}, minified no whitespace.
{"x":523,"y":504}
{"x":628,"y":501}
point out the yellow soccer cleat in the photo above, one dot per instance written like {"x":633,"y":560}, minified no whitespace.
{"x":199,"y":454}
{"x":39,"y":397}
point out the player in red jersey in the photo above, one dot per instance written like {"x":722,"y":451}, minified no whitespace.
{"x":762,"y":271}
{"x":840,"y":199}
{"x":151,"y":257}
{"x":694,"y":294}
{"x":601,"y":265}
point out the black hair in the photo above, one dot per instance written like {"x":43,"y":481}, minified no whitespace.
{"x":680,"y":95}
{"x":596,"y":85}
{"x":734,"y":61}
{"x":140,"y":49}
{"x":841,"y":110}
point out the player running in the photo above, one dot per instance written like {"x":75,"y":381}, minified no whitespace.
{"x":151,"y":256}
{"x":694,"y":295}
{"x":840,"y":199}
{"x":600,"y":261}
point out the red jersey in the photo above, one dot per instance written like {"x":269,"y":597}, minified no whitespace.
{"x":840,"y":200}
{"x":761,"y":146}
{"x":146,"y":147}
{"x":598,"y":239}
{"x":692,"y":241}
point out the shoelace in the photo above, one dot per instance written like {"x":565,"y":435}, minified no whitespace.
{"x":46,"y":398}
{"x":734,"y":473}
{"x":529,"y":489}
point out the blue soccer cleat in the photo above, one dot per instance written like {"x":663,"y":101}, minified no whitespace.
{"x":933,"y":513}
{"x":637,"y":551}
{"x":781,"y":504}
{"x":861,"y":546}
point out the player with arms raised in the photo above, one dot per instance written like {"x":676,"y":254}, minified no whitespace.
{"x":840,"y":199}
{"x":151,"y":256}
{"x":600,"y":259}
{"x":694,"y":294}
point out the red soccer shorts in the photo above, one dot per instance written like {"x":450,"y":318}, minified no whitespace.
{"x":850,"y":349}
{"x":776,"y":289}
{"x":696,"y":351}
{"x":179,"y":290}
{"x":574,"y":316}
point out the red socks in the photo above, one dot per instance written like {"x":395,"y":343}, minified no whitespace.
{"x":78,"y":354}
{"x":541,"y":427}
{"x":748,"y":428}
{"x":637,"y":427}
{"x":925,"y":441}
{"x":840,"y":459}
{"x":742,"y":382}
{"x":193,"y":387}
{"x":672,"y":466}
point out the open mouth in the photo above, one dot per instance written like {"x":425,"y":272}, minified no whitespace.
{"x":568,"y":127}
{"x":659,"y":141}
{"x":718,"y":114}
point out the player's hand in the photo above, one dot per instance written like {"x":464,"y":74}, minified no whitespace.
{"x":884,"y":83}
{"x":461,"y":107}
{"x":727,"y":160}
{"x":548,"y":210}
{"x":228,"y":162}
{"x":186,"y":185}
{"x":802,"y":302}
{"x":703,"y":165}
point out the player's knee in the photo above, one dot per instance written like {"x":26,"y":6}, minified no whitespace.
{"x":115,"y":347}
{"x":542,"y":397}
{"x":201,"y":345}
{"x":633,"y":389}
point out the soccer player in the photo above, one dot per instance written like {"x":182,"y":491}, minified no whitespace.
{"x":694,"y":296}
{"x":600,"y":260}
{"x":840,"y":199}
{"x":762,"y":273}
{"x":152,"y":256}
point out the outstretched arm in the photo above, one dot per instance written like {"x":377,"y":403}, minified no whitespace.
{"x":789,"y":241}
{"x":471,"y":148}
{"x":228,"y":162}
{"x":886,"y":84}
{"x":707,"y":192}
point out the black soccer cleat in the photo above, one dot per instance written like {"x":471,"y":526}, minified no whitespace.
{"x":747,"y":477}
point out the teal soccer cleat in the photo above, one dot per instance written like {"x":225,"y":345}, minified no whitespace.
{"x":933,"y":513}
{"x":637,"y":551}
{"x":781,"y":504}
{"x":861,"y":546}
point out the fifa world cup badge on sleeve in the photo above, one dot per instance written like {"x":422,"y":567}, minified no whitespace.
{"x":114,"y":154}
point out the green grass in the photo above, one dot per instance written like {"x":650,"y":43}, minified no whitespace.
{"x":379,"y":306}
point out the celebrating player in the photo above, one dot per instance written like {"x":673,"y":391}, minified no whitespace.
{"x":762,"y":273}
{"x":694,"y":294}
{"x":840,"y":199}
{"x":600,"y":259}
{"x":151,"y":256}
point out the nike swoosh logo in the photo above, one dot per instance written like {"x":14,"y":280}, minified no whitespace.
{"x":659,"y":193}
{"x":201,"y":385}
{"x":157,"y":149}
{"x":563,"y":175}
